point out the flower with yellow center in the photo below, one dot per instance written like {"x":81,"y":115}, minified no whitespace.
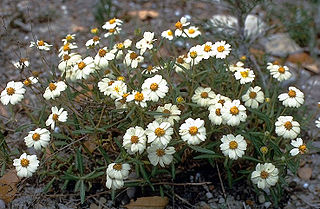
{"x":191,"y":32}
{"x":245,"y":75}
{"x":279,"y":72}
{"x":233,"y":113}
{"x":94,"y":30}
{"x":54,"y":90}
{"x":294,"y":97}
{"x":132,"y":59}
{"x":118,"y":170}
{"x":56,"y":116}
{"x":26,"y":165}
{"x":215,"y":115}
{"x":84,"y":68}
{"x":253,"y":97}
{"x":208,"y":50}
{"x":203,"y":96}
{"x":155,"y":87}
{"x":167,"y":34}
{"x":159,"y":132}
{"x":41,"y":45}
{"x":170,"y":113}
{"x":13,"y":93}
{"x":233,"y":146}
{"x":134,"y":140}
{"x":139,"y":98}
{"x":180,"y":26}
{"x":298,"y":147}
{"x":221,"y":49}
{"x":38,"y":138}
{"x":193,"y":131}
{"x":103,"y":57}
{"x":112,"y":23}
{"x":286,"y":127}
{"x":160,"y":154}
{"x":265,"y":175}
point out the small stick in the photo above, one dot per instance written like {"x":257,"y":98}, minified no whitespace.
{"x":222,"y":186}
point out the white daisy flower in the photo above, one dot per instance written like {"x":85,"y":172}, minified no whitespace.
{"x":203,"y":96}
{"x":30,"y":81}
{"x":207,"y":50}
{"x":139,"y":98}
{"x":132,"y":59}
{"x":104,"y":86}
{"x":221,"y":49}
{"x":66,"y":49}
{"x":84,"y":68}
{"x":121,"y":102}
{"x":191,"y":32}
{"x":168,"y":34}
{"x":113,"y":31}
{"x":181,"y":64}
{"x":253,"y":97}
{"x":22,"y":63}
{"x":287,"y":127}
{"x":195,"y":55}
{"x":13,"y":93}
{"x":180,"y":25}
{"x":235,"y":67}
{"x":41,"y":45}
{"x":233,"y":146}
{"x":294,"y":98}
{"x":265,"y":175}
{"x":151,"y":69}
{"x":146,"y":42}
{"x":114,"y":183}
{"x":160,"y":154}
{"x":215,"y":114}
{"x":69,"y":38}
{"x":91,"y":43}
{"x":118,"y":170}
{"x":26,"y":165}
{"x":171,"y":112}
{"x":220,"y":99}
{"x":245,"y":75}
{"x":54,"y":90}
{"x":37,"y":138}
{"x":117,"y":89}
{"x":68,"y":61}
{"x":155,"y":87}
{"x":101,"y":60}
{"x":233,"y":113}
{"x":118,"y":48}
{"x":159,"y":132}
{"x":112,"y":23}
{"x":57,"y":115}
{"x":193,"y":131}
{"x":279,"y":72}
{"x":299,"y":147}
{"x":134,"y":140}
{"x":318,"y":122}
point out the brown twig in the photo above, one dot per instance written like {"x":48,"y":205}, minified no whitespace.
{"x":222,"y":186}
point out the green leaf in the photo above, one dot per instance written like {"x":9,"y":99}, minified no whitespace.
{"x":82,"y":191}
{"x":49,"y":185}
{"x":104,"y":154}
{"x":252,"y":159}
{"x":207,"y":156}
{"x":201,"y":149}
{"x":79,"y":161}
{"x":145,"y":176}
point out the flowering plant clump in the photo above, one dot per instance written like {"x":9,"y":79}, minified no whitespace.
{"x":122,"y":107}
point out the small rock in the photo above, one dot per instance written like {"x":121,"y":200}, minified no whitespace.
{"x":2,"y":204}
{"x":261,"y":198}
{"x":305,"y":185}
{"x":305,"y":173}
{"x":221,"y":200}
{"x":209,"y":195}
{"x":267,"y":204}
{"x":94,"y":206}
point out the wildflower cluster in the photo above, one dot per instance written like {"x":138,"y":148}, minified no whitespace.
{"x":160,"y":107}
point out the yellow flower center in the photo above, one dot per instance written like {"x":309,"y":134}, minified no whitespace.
{"x":207,"y":48}
{"x":81,"y":65}
{"x":124,"y":98}
{"x":264,"y":149}
{"x":102,"y":52}
{"x":264,"y":174}
{"x":234,"y":110}
{"x":22,"y":60}
{"x":149,"y":68}
{"x":180,"y":99}
{"x":10,"y":91}
{"x":94,"y":30}
{"x":252,"y":95}
{"x":292,"y":93}
{"x":193,"y":54}
{"x":193,"y":130}
{"x":160,"y":152}
{"x":52,"y":86}
{"x":220,"y":48}
{"x":41,"y":43}
{"x":27,"y":82}
{"x":116,"y":89}
{"x":134,"y":139}
{"x":178,"y":25}
{"x":69,"y":38}
{"x":233,"y":145}
{"x":244,"y":74}
{"x":36,"y":137}
{"x":113,"y":20}
{"x":110,"y":83}
{"x":120,"y":45}
{"x":66,"y":57}
{"x":218,"y":111}
{"x":180,"y":60}
{"x":138,"y":97}
{"x":243,"y":58}
{"x":159,"y":132}
{"x":24,"y":162}
{"x":154,"y":86}
{"x":191,"y":31}
{"x":133,"y":55}
{"x":112,"y":30}
{"x":221,"y":101}
{"x":281,"y":70}
{"x":169,"y":33}
{"x":276,"y":62}
{"x":302,"y":148}
{"x":66,"y":47}
{"x":117,"y":167}
{"x":121,"y":78}
{"x":288,"y":125}
{"x":95,"y":38}
{"x":55,"y":117}
{"x":204,"y":95}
